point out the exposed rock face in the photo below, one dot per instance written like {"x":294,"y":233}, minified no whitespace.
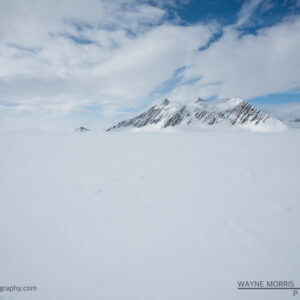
{"x":229,"y":112}
{"x":81,"y":129}
{"x":296,"y":120}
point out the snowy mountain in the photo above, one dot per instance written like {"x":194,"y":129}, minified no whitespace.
{"x":222,"y":112}
{"x":296,"y":120}
{"x":81,"y":129}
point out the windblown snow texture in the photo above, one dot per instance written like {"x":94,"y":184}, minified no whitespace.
{"x":230,"y":111}
{"x":149,"y":216}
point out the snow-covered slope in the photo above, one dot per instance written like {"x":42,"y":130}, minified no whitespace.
{"x":225,"y":112}
{"x":149,"y":216}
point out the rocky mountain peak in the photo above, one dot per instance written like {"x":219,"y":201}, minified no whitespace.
{"x":222,"y":112}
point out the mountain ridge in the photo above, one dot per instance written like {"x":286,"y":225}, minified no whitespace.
{"x":226,"y":112}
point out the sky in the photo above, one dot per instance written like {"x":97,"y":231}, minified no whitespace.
{"x":92,"y":62}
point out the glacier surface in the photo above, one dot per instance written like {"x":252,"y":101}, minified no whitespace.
{"x":179,"y":215}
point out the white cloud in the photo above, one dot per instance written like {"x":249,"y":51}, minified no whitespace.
{"x":145,"y":63}
{"x":247,"y":11}
{"x":247,"y":66}
{"x":125,"y":52}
